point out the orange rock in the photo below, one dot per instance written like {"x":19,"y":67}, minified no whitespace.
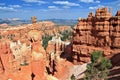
{"x":96,"y":33}
{"x":5,"y":57}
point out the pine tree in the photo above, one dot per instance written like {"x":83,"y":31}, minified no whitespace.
{"x":98,"y":69}
{"x":45,"y":41}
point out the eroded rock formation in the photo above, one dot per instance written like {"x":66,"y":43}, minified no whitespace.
{"x":38,"y":53}
{"x":57,"y":52}
{"x":7,"y":64}
{"x":25,"y":55}
{"x":97,"y":32}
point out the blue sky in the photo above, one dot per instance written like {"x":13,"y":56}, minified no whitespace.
{"x":53,"y":9}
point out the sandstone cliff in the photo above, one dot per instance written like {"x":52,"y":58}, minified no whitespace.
{"x":97,"y":32}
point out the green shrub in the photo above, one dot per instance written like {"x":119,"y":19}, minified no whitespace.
{"x":98,"y":69}
{"x":66,"y":35}
{"x":45,"y":41}
{"x":72,"y":77}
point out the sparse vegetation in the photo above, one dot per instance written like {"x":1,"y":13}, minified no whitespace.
{"x":66,"y":35}
{"x":0,"y":37}
{"x":72,"y":77}
{"x":98,"y":68}
{"x":25,"y":63}
{"x":45,"y":41}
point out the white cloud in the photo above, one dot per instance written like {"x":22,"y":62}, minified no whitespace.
{"x":67,"y":3}
{"x":52,"y":7}
{"x":15,"y":6}
{"x":8,"y":9}
{"x":13,"y":19}
{"x":97,"y":1}
{"x":35,"y":1}
{"x":90,"y":1}
{"x":95,"y":7}
{"x":87,"y":1}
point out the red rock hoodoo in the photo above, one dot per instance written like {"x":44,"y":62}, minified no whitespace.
{"x":97,"y":32}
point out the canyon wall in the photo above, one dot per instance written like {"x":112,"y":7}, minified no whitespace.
{"x":97,"y":32}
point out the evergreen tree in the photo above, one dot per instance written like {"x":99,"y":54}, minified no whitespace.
{"x":98,"y":68}
{"x":72,"y":77}
{"x":66,"y":35}
{"x":45,"y":41}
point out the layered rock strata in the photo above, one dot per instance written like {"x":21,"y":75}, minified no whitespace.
{"x":97,"y":32}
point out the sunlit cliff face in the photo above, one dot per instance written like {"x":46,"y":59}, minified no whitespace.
{"x":99,"y":32}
